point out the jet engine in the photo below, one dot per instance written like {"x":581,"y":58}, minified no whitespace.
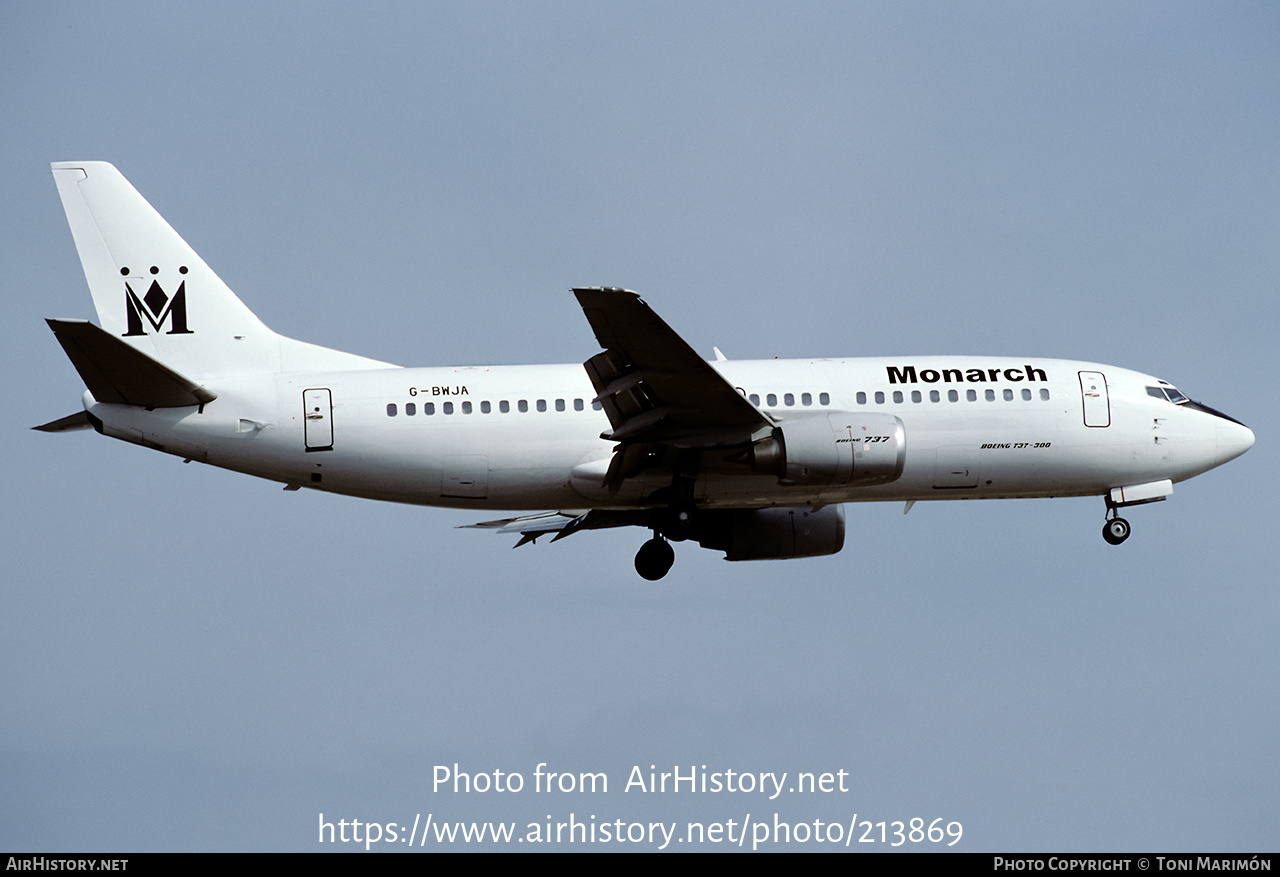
{"x":836,"y":448}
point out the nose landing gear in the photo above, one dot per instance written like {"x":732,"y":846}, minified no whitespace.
{"x":1116,"y":529}
{"x":655,"y":558}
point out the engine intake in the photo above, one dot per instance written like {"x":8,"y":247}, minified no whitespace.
{"x":837,"y":448}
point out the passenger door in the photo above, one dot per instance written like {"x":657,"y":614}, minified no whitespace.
{"x":317,"y":419}
{"x":1097,"y":404}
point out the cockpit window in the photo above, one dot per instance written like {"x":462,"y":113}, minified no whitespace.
{"x":1170,"y":393}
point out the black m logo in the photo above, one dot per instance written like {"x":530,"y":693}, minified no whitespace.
{"x":157,"y":307}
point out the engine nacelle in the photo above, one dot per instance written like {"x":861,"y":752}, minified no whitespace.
{"x":773,"y":534}
{"x":836,"y":448}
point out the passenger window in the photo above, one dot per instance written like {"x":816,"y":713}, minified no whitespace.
{"x":916,"y":397}
{"x":504,"y":407}
{"x":789,"y":399}
{"x":577,"y":405}
{"x":991,"y":395}
{"x":1044,"y":394}
{"x":484,"y":408}
{"x":953,"y":396}
{"x":1026,"y":395}
{"x":897,"y":396}
{"x":447,"y":407}
{"x":466,"y":407}
{"x":879,"y":397}
{"x":542,"y":404}
{"x":559,"y":404}
{"x":1008,"y":395}
{"x":862,"y":398}
{"x":772,"y":399}
{"x":522,"y":406}
{"x":391,"y":409}
{"x":596,"y":406}
{"x":971,"y":395}
{"x":410,"y":409}
{"x":806,"y":398}
{"x":755,"y":399}
{"x":824,"y":398}
{"x":935,"y":396}
{"x":428,"y":408}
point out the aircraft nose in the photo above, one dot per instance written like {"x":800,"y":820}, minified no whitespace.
{"x":1233,"y":440}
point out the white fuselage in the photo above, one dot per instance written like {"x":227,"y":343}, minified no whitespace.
{"x":528,"y":437}
{"x":753,"y":458}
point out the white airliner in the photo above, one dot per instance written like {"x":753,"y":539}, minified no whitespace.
{"x":752,"y":458}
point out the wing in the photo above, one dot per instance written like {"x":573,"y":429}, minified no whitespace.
{"x":667,"y":407}
{"x":654,"y":388}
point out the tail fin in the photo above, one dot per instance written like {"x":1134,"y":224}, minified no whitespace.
{"x":150,"y":288}
{"x":153,"y":292}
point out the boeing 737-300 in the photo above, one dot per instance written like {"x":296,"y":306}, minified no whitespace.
{"x":752,"y":458}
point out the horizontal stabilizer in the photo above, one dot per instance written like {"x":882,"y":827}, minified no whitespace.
{"x":79,"y":420}
{"x":117,"y":373}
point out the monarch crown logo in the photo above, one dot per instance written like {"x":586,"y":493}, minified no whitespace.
{"x":156,"y":306}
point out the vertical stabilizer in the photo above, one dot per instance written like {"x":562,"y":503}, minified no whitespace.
{"x":150,"y":288}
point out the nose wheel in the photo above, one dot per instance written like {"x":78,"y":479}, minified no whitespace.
{"x":655,"y":558}
{"x":1115,"y":531}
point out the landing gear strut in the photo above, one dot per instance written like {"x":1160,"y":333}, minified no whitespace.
{"x":1115,"y":530}
{"x":654,"y":559}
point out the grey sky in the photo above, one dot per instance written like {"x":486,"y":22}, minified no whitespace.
{"x":191,"y":659}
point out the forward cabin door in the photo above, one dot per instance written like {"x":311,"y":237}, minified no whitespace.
{"x":1097,"y":405}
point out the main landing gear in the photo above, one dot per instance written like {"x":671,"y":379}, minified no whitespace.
{"x":655,"y":557}
{"x":1115,"y":530}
